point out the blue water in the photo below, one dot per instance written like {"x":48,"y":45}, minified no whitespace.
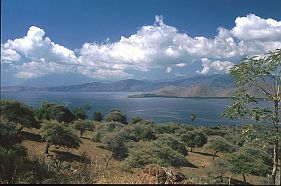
{"x":155,"y":109}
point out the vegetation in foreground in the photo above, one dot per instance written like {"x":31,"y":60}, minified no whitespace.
{"x":54,"y":144}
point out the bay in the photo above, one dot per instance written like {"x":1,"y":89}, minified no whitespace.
{"x":157,"y":109}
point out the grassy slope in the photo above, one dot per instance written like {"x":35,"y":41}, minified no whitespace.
{"x":113,"y":174}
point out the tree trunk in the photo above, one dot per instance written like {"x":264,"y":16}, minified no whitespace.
{"x":215,"y":155}
{"x":244,"y":177}
{"x":229,"y":180}
{"x":109,"y":158}
{"x":81,"y":134}
{"x":190,"y":149}
{"x":47,"y":148}
{"x":275,"y":148}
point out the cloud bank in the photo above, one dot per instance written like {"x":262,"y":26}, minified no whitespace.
{"x":157,"y":46}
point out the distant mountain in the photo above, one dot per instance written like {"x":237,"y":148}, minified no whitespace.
{"x":18,"y":89}
{"x":205,"y":86}
{"x":52,"y":80}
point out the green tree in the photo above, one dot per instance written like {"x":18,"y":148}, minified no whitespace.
{"x":136,"y":120}
{"x":82,"y":126}
{"x":258,"y":94}
{"x":56,"y":134}
{"x":194,"y":139}
{"x":248,"y":160}
{"x":219,"y":144}
{"x":18,"y":113}
{"x":115,"y":143}
{"x":79,"y":113}
{"x":117,"y":115}
{"x":173,"y":142}
{"x":97,"y":116}
{"x":12,"y":153}
{"x":53,"y":111}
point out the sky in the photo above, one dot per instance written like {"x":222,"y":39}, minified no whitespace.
{"x":139,"y":39}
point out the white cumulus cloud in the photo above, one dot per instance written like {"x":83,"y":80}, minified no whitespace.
{"x":157,"y":46}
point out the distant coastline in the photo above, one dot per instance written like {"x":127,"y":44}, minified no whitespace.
{"x":163,"y":96}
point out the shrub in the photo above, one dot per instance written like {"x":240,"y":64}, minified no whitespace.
{"x":219,"y":144}
{"x":153,"y":152}
{"x":136,"y":120}
{"x":79,"y":113}
{"x":169,"y":128}
{"x":172,"y":142}
{"x":59,"y":135}
{"x":116,"y":115}
{"x":194,"y":139}
{"x":138,"y":132}
{"x":82,"y":126}
{"x":18,"y":113}
{"x":97,"y":116}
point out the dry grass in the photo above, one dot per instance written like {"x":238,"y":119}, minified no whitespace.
{"x":114,"y":174}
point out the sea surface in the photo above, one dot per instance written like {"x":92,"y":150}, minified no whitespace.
{"x":157,"y":109}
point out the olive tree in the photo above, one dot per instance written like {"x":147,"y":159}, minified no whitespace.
{"x":194,"y":139}
{"x":82,"y":126}
{"x":53,"y":111}
{"x":18,"y":113}
{"x":258,"y":96}
{"x":56,"y":134}
{"x":219,"y":144}
{"x":117,"y":115}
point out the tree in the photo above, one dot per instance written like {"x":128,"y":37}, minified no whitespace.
{"x":82,"y":126}
{"x":248,"y":160}
{"x":97,"y":116}
{"x":115,"y":143}
{"x":136,"y":120}
{"x":55,"y":111}
{"x":173,"y":142}
{"x":258,"y":97}
{"x":194,"y":139}
{"x":219,"y":144}
{"x":12,"y":153}
{"x":193,"y":117}
{"x":117,"y":115}
{"x":79,"y":113}
{"x":18,"y":113}
{"x":56,"y":134}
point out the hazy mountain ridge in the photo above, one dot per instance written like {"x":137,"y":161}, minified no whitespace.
{"x":214,"y":85}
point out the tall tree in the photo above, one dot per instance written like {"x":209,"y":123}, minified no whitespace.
{"x":257,"y":80}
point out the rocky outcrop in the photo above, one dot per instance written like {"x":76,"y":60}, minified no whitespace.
{"x":153,"y":174}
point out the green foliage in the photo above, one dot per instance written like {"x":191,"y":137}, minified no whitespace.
{"x":97,"y":136}
{"x":169,"y":128}
{"x":18,"y":113}
{"x":220,"y":144}
{"x":249,"y":161}
{"x":172,"y":142}
{"x":138,"y":132}
{"x":97,"y":116}
{"x":136,"y":120}
{"x":154,"y":152}
{"x":117,"y":115}
{"x":212,"y":131}
{"x":79,"y":113}
{"x":53,"y":111}
{"x":194,"y":139}
{"x":9,"y":134}
{"x":82,"y":126}
{"x":115,"y":143}
{"x":59,"y":135}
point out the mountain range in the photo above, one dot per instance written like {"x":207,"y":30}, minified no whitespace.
{"x":199,"y":86}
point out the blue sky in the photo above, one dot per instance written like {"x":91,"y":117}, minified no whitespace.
{"x":148,"y":39}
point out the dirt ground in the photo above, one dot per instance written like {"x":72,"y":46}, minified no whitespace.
{"x":201,"y":158}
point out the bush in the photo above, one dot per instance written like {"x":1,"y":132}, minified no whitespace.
{"x":53,"y":111}
{"x":194,"y":139}
{"x":138,"y":132}
{"x":172,"y":142}
{"x":97,"y":136}
{"x":82,"y":126}
{"x":219,"y":144}
{"x":80,"y":113}
{"x":136,"y":120}
{"x":97,"y":116}
{"x":216,"y":131}
{"x":115,"y":143}
{"x":59,"y":135}
{"x":116,"y":115}
{"x":154,"y":152}
{"x":169,"y":128}
{"x":18,"y":113}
